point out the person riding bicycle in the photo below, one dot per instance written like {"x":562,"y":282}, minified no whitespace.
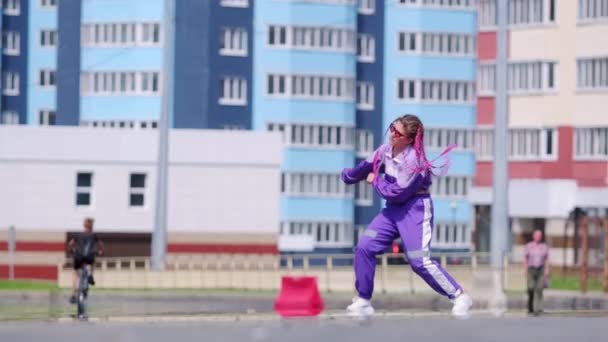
{"x":84,"y":246}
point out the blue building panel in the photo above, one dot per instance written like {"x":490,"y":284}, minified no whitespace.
{"x":68,"y":62}
{"x":371,"y":120}
{"x":440,"y":115}
{"x":316,"y":209}
{"x":120,"y":108}
{"x":304,"y":14}
{"x":121,"y":59}
{"x":1,"y":59}
{"x":200,"y":68}
{"x":17,"y":64}
{"x":310,"y":62}
{"x":462,"y":163}
{"x":229,"y":66}
{"x":97,"y":11}
{"x":191,"y":65}
{"x":39,"y":58}
{"x":270,"y":60}
{"x":430,"y":19}
{"x":302,"y":111}
{"x":433,"y":68}
{"x":315,"y":160}
{"x":452,"y":210}
{"x":399,"y":18}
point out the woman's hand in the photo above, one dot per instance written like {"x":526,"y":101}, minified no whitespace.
{"x":370,"y":177}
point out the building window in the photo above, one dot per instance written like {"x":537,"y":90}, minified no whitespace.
{"x":318,"y":136}
{"x":149,"y":34}
{"x":529,"y":77}
{"x":440,"y":138}
{"x":484,"y":144}
{"x":120,"y":34}
{"x":312,"y":38}
{"x":11,"y":83}
{"x":281,"y":128}
{"x":364,"y":143}
{"x":311,"y":87}
{"x":233,"y":127}
{"x":325,"y":234}
{"x":119,"y":124}
{"x":277,"y":35}
{"x":452,"y":4}
{"x":233,"y":42}
{"x":328,"y":2}
{"x":320,"y":185}
{"x":592,"y":73}
{"x":46,"y":78}
{"x":84,"y":187}
{"x":367,"y":7}
{"x":590,"y":11}
{"x":433,"y":91}
{"x":48,"y":4}
{"x":525,"y":144}
{"x":233,"y":91}
{"x":48,"y":38}
{"x":366,"y":48}
{"x":521,"y":12}
{"x":486,"y":79}
{"x":11,"y":42}
{"x":137,"y":189}
{"x":365,"y":96}
{"x":523,"y":77}
{"x":451,"y":235}
{"x":149,"y":83}
{"x":364,"y":194}
{"x":438,"y":44}
{"x":46,"y":117}
{"x":532,"y":144}
{"x":276,"y":85}
{"x":9,"y":117}
{"x":451,"y":186}
{"x":235,"y":3}
{"x":11,"y":7}
{"x":531,"y":12}
{"x":486,"y":14}
{"x":120,"y":83}
{"x":591,"y":143}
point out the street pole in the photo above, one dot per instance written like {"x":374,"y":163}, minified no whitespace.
{"x":605,"y":225}
{"x":584,"y":269}
{"x":500,"y":210}
{"x":12,"y":244}
{"x":159,"y":236}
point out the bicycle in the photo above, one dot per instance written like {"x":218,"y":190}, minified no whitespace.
{"x":83,"y":292}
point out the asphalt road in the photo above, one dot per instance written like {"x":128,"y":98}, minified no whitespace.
{"x":341,"y":329}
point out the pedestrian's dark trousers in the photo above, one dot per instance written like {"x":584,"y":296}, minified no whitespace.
{"x":536,"y":281}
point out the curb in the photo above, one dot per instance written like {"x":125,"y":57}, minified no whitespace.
{"x":331,"y":315}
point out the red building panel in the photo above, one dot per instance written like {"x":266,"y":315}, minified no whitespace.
{"x":485,"y":110}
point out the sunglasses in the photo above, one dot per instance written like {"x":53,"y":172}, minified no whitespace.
{"x":394,"y":131}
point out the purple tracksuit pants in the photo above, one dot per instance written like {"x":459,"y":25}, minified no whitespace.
{"x":413,"y":222}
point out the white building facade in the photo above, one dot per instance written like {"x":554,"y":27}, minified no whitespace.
{"x":223,"y":187}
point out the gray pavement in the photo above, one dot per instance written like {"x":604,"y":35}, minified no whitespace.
{"x":480,"y":327}
{"x":124,"y":303}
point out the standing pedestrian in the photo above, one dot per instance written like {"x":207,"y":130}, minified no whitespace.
{"x":536,"y":266}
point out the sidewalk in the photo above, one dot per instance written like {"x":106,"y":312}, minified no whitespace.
{"x":167,"y":303}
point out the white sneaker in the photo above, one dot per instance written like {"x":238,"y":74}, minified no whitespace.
{"x":360,"y":307}
{"x":462,"y":304}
